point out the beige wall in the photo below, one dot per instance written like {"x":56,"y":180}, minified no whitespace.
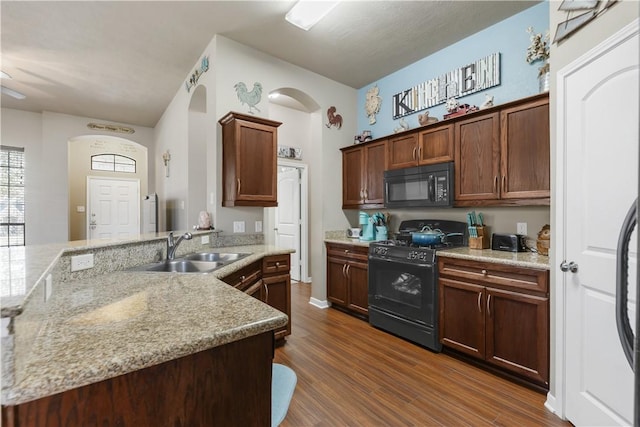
{"x":80,"y":151}
{"x":569,"y":50}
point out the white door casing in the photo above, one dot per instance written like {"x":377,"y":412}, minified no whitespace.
{"x":288,"y":216}
{"x":597,"y":175}
{"x":114,"y":208}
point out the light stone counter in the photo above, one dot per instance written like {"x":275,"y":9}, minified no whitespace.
{"x":100,"y":326}
{"x":517,"y":259}
{"x":348,"y":241}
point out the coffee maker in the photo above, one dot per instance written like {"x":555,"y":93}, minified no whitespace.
{"x":368,"y":229}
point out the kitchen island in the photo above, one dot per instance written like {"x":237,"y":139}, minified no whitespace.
{"x":142,"y":348}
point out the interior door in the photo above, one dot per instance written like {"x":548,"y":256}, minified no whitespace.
{"x":598,"y":132}
{"x":114,"y":208}
{"x":288,"y":216}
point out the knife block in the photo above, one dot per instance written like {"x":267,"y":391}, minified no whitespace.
{"x":482,"y":241}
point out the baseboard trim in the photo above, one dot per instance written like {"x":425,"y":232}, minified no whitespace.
{"x":319,"y":303}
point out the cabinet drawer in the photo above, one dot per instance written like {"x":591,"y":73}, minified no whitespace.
{"x":352,"y":252}
{"x":276,"y":264}
{"x":245,"y":277}
{"x":497,"y":275}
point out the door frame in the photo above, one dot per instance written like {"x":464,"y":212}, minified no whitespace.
{"x":304,"y":216}
{"x":88,"y":200}
{"x":556,"y":402}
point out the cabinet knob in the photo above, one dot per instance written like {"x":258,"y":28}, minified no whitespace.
{"x":242,"y":278}
{"x":484,"y":272}
{"x":346,"y":251}
{"x":277,"y":264}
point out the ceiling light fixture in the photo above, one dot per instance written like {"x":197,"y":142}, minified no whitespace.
{"x":13,"y":93}
{"x":306,"y":13}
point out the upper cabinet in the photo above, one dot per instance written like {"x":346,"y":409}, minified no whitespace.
{"x":249,"y":174}
{"x":363,"y":169}
{"x":502,"y":156}
{"x":432,"y":145}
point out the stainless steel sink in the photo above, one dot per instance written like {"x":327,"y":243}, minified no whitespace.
{"x":215,"y":256}
{"x":202,"y":262}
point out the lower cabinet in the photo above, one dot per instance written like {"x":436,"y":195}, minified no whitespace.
{"x":347,"y":277}
{"x":498,"y":314}
{"x":269,"y":281}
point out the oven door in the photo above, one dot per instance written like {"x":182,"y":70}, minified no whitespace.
{"x":404,"y":289}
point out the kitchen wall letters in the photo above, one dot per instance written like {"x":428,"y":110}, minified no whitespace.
{"x":479,"y":75}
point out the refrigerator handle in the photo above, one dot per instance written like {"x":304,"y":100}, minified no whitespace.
{"x":622,"y":283}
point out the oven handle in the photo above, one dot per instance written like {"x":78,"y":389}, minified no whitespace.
{"x":397,"y":261}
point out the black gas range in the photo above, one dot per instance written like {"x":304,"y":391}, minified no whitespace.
{"x":403,"y":282}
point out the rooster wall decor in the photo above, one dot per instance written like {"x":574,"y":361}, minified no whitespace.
{"x":334,"y":119}
{"x":250,"y":98}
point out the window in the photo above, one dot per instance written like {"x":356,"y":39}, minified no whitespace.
{"x":12,"y":196}
{"x":113,"y":163}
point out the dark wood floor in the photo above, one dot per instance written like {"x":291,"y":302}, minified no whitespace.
{"x":351,"y":374}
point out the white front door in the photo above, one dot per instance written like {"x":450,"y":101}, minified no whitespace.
{"x":598,"y":139}
{"x":114,"y":208}
{"x":288,"y":216}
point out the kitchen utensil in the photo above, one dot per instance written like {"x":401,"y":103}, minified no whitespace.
{"x":427,"y":236}
{"x":480,"y":219}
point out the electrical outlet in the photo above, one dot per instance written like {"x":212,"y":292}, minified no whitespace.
{"x":48,"y":288}
{"x":238,"y":226}
{"x":521,"y":228}
{"x":204,"y":240}
{"x":81,"y":262}
{"x":258,"y":226}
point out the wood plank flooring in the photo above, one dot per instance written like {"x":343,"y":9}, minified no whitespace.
{"x":351,"y":374}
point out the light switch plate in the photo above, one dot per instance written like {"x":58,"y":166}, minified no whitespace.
{"x":204,"y":240}
{"x":81,"y":262}
{"x":521,"y":228}
{"x":238,"y":226}
{"x":258,"y":226}
{"x":48,"y":287}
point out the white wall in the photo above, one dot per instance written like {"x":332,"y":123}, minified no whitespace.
{"x":45,"y":138}
{"x":230,"y":63}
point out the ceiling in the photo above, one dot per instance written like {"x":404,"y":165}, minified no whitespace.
{"x":124,"y":61}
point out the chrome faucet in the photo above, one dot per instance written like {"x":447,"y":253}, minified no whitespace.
{"x":172,"y":244}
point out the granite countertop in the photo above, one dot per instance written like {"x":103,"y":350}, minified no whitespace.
{"x":347,"y":241}
{"x":100,"y":327}
{"x":517,"y":259}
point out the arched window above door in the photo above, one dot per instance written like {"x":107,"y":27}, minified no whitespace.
{"x":113,"y":163}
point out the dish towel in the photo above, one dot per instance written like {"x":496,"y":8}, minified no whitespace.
{"x":283,"y":383}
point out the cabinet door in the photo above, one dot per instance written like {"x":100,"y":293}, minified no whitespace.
{"x":524,"y":151}
{"x":256,"y":163}
{"x":277,"y":293}
{"x":337,"y":281}
{"x":403,"y":151}
{"x":358,"y":280}
{"x":462,"y":317}
{"x":352,"y":185}
{"x":477,"y":157}
{"x":375,"y":163}
{"x":436,"y":145}
{"x":517,"y":334}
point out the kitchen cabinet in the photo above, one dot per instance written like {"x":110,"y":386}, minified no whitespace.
{"x":277,"y":288}
{"x":347,"y":277}
{"x":269,"y":281}
{"x":502,"y":156}
{"x":249,"y":174}
{"x":433,"y":144}
{"x":498,"y":314}
{"x":363,"y":169}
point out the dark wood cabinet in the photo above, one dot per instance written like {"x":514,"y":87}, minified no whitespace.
{"x":269,"y":281}
{"x":347,"y":277}
{"x":524,"y":151}
{"x":502,"y":157}
{"x":249,"y":174}
{"x":277,"y":288}
{"x":363,"y":167}
{"x":477,"y":158}
{"x":498,"y":314}
{"x":433,"y":144}
{"x":228,"y":385}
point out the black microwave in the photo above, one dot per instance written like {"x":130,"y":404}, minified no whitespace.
{"x":421,"y":186}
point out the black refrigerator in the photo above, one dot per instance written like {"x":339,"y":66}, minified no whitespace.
{"x":630,"y":343}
